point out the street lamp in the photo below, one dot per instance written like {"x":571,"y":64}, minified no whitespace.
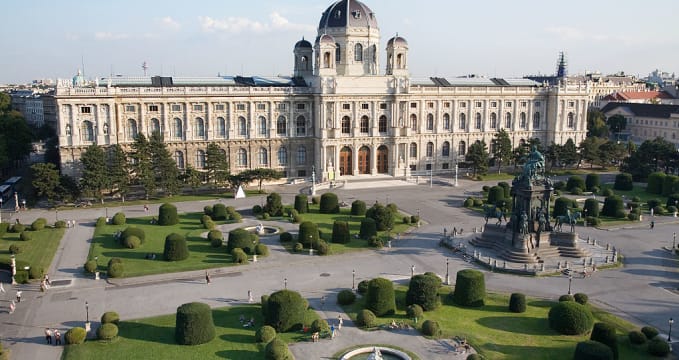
{"x":311,"y":244}
{"x":87,"y":312}
{"x":24,"y":202}
{"x":285,"y":283}
{"x":674,"y":240}
{"x":669,"y":334}
{"x":56,"y":214}
{"x":353,"y":280}
{"x":585,"y":219}
{"x":570,"y":279}
{"x":418,"y":217}
{"x":447,"y":273}
{"x":0,"y":209}
{"x":412,"y":270}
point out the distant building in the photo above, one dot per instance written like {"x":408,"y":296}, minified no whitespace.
{"x":662,"y":78}
{"x":37,"y":107}
{"x":647,"y":121}
{"x":641,"y":97}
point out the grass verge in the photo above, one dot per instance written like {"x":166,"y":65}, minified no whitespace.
{"x":39,"y":251}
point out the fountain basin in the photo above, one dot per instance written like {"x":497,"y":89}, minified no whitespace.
{"x":367,"y":351}
{"x":263,"y":230}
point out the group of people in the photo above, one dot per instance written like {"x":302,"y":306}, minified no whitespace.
{"x":48,"y":336}
{"x":249,"y":323}
{"x":45,"y":283}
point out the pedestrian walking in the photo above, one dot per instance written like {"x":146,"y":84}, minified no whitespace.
{"x":57,"y":337}
{"x":332,"y":331}
{"x":340,"y":321}
{"x":2,"y":288}
{"x":652,"y":224}
{"x":146,"y":208}
{"x":207,"y":278}
{"x":322,"y":301}
{"x":454,"y":231}
{"x":48,"y":335}
{"x":43,"y":286}
{"x":250,"y":299}
{"x":47,"y":280}
{"x":18,"y":296}
{"x":12,"y":307}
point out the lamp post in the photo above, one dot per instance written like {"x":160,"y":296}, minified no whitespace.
{"x":455,"y":184}
{"x":418,"y":217}
{"x":56,"y":214}
{"x":353,"y":280}
{"x":412,"y":270}
{"x":674,"y":240}
{"x":0,"y":209}
{"x":585,"y":219}
{"x":24,"y":202}
{"x":311,"y":244}
{"x":669,"y":334}
{"x":447,"y":273}
{"x":285,"y":283}
{"x":570,"y":279}
{"x":87,"y":317}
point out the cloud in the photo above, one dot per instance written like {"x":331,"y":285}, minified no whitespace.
{"x":170,"y":23}
{"x":103,"y":35}
{"x":567,"y":33}
{"x":240,"y":24}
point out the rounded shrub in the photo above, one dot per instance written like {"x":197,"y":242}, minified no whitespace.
{"x":431,"y":328}
{"x":591,"y":207}
{"x":18,"y":228}
{"x":612,"y":205}
{"x":194,"y":324}
{"x":575,"y":182}
{"x":285,"y":237}
{"x":38,"y":224}
{"x":636,"y":337}
{"x":274,"y":205}
{"x":308,"y":232}
{"x":358,"y":208}
{"x":576,"y":191}
{"x":219,"y":212}
{"x":517,"y":303}
{"x":101,"y":221}
{"x":75,"y":336}
{"x":658,"y":347}
{"x":414,"y":311}
{"x":346,"y":297}
{"x":383,"y":216}
{"x":368,"y":228}
{"x":591,"y":181}
{"x":505,"y":185}
{"x":669,"y":184}
{"x":605,"y":334}
{"x":215,"y":235}
{"x":110,"y":317}
{"x":423,"y":290}
{"x":277,"y":349}
{"x":298,"y":247}
{"x":62,"y":224}
{"x":623,"y":181}
{"x":375,"y":242}
{"x":114,"y":260}
{"x":175,"y":248}
{"x":581,"y":298}
{"x":25,"y":236}
{"x":474,"y":357}
{"x":561,"y":206}
{"x":301,"y":203}
{"x":406,"y":220}
{"x":566,"y":297}
{"x":21,"y":276}
{"x":496,"y":194}
{"x":322,"y":248}
{"x":340,"y":232}
{"x":366,"y":318}
{"x":257,"y":209}
{"x":650,"y":332}
{"x":132,"y":242}
{"x":238,"y":256}
{"x":118,"y":219}
{"x":470,"y":288}
{"x":285,"y":310}
{"x":240,"y":238}
{"x":207,"y":210}
{"x":134,"y":231}
{"x":107,"y":332}
{"x":414,"y":219}
{"x":485,"y":188}
{"x":115,"y":270}
{"x":592,"y":350}
{"x":209,"y":224}
{"x":559,"y":185}
{"x":320,"y":325}
{"x":570,"y":318}
{"x":36,"y":272}
{"x":468,"y":202}
{"x":329,"y":204}
{"x":595,"y":190}
{"x":655,"y":181}
{"x":262,"y":250}
{"x":592,"y":221}
{"x":265,"y":334}
{"x":167,"y":215}
{"x":362,"y":287}
{"x":380,"y":298}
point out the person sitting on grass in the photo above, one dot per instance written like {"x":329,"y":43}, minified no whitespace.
{"x":393,"y":324}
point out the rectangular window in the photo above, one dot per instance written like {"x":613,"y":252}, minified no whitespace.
{"x":365,"y":106}
{"x":176,"y":107}
{"x":301,"y":106}
{"x":282,"y":106}
{"x":240,"y":107}
{"x":463,"y":104}
{"x":129,"y":108}
{"x":538,"y":104}
{"x":413,"y":167}
{"x":446,"y":105}
{"x":478,"y":104}
{"x":413,"y":105}
{"x":524,"y":104}
{"x":197,"y":107}
{"x":493,"y":104}
{"x":571,"y":104}
{"x":153,"y":108}
{"x":346,"y":106}
{"x":427,"y":167}
{"x":85,"y":109}
{"x":261,"y":106}
{"x":383,"y":106}
{"x":444,"y":166}
{"x":508,"y":104}
{"x":220,"y":107}
{"x":301,"y":173}
{"x":430,"y":105}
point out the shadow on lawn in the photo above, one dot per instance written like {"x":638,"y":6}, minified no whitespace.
{"x":237,"y":354}
{"x":518,"y":352}
{"x":516,"y":324}
{"x":147,"y":332}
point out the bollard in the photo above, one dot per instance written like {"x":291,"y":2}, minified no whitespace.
{"x":542,"y":267}
{"x":591,"y":261}
{"x":489,"y":260}
{"x":568,"y":265}
{"x":558,"y":265}
{"x":584,"y":261}
{"x":525,"y":267}
{"x":608,"y":246}
{"x":504,"y":264}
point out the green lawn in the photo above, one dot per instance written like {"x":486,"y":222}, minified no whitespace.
{"x":39,"y":251}
{"x":202,"y":255}
{"x":153,"y":338}
{"x":639,"y":191}
{"x":497,"y":333}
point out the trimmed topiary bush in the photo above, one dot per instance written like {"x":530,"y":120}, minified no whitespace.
{"x":591,"y":207}
{"x":21,"y":277}
{"x":517,"y":303}
{"x":581,"y":298}
{"x":25,"y":236}
{"x":194,"y":324}
{"x":470,"y":288}
{"x":134,"y":231}
{"x":167,"y":215}
{"x":320,"y":325}
{"x":107,"y":332}
{"x":257,"y":209}
{"x":4,"y":227}
{"x":277,"y":349}
{"x":575,"y":182}
{"x":101,"y":221}
{"x":38,"y":224}
{"x":219,"y":212}
{"x":265,"y":334}
{"x":380,"y":298}
{"x":240,"y":238}
{"x":650,"y":332}
{"x":658,"y":347}
{"x":132,"y":242}
{"x":215,"y":237}
{"x":623,"y":181}
{"x":505,"y":185}
{"x":14,"y":249}
{"x":285,"y":310}
{"x":175,"y":248}
{"x":301,"y":204}
{"x":207,"y":210}
{"x":605,"y":334}
{"x":383,"y":216}
{"x":368,"y":228}
{"x":308,"y":232}
{"x":340,"y":232}
{"x":468,"y":202}
{"x":655,"y":181}
{"x":561,"y":206}
{"x":75,"y":336}
{"x":110,"y":317}
{"x":362,"y":287}
{"x":322,"y":248}
{"x":636,"y":337}
{"x":115,"y":270}
{"x":570,"y":318}
{"x":423,"y":290}
{"x":612,"y":205}
{"x":262,"y":250}
{"x":238,"y":256}
{"x":566,"y":297}
{"x":591,"y":181}
{"x":274,"y":205}
{"x":298,"y":247}
{"x":329,"y":204}
{"x":285,"y":237}
{"x":358,"y":208}
{"x":431,"y":328}
{"x":36,"y":272}
{"x":474,"y":357}
{"x":592,"y":350}
{"x":346,"y":297}
{"x":118,"y":219}
{"x":669,"y":184}
{"x":18,"y":228}
{"x":414,"y":311}
{"x":496,"y":194}
{"x":366,"y":318}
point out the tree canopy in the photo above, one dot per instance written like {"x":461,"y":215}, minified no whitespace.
{"x":477,"y":156}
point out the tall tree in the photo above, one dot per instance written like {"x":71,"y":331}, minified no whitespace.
{"x":142,"y":167}
{"x":611,"y":153}
{"x":69,"y":189}
{"x":261,"y":174}
{"x":596,"y":124}
{"x":216,"y":164}
{"x":96,"y":176}
{"x":119,"y":171}
{"x":520,"y":154}
{"x":46,"y":180}
{"x":553,"y":154}
{"x":164,"y":167}
{"x":16,"y":139}
{"x":5,"y":102}
{"x":589,"y":150}
{"x":192,"y":177}
{"x":477,"y":156}
{"x":502,"y":148}
{"x":616,"y":123}
{"x":569,"y":153}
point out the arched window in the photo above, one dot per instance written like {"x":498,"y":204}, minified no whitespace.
{"x":200,"y":128}
{"x":263,"y":157}
{"x":536,"y":120}
{"x":242,"y":126}
{"x":105,"y":129}
{"x":338,"y":53}
{"x":177,"y":128}
{"x":358,"y":52}
{"x":446,"y":121}
{"x":281,"y":126}
{"x":68,"y":129}
{"x":430,"y":122}
{"x":445,"y":149}
{"x":262,"y":125}
{"x":301,"y":155}
{"x":399,"y":61}
{"x":493,"y":120}
{"x":132,"y":129}
{"x":200,"y":159}
{"x":571,"y":120}
{"x":477,"y":121}
{"x":508,"y":120}
{"x":305,"y":63}
{"x":155,"y":126}
{"x":413,"y":122}
{"x":413,"y":150}
{"x":462,"y":148}
{"x":242,"y":157}
{"x":365,"y":124}
{"x":326,"y":60}
{"x":382,"y":124}
{"x":87,"y":131}
{"x":430,"y":149}
{"x":221,"y":127}
{"x":282,"y":156}
{"x":522,"y":120}
{"x":346,"y":125}
{"x":463,"y":121}
{"x":179,"y":159}
{"x":301,"y":126}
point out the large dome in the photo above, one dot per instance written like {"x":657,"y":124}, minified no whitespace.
{"x":347,"y":13}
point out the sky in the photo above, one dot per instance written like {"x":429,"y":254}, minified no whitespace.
{"x":496,"y":38}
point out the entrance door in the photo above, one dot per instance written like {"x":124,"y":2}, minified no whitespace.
{"x":364,"y":160}
{"x":382,"y":160}
{"x":345,"y":164}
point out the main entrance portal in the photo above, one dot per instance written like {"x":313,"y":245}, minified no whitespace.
{"x":382,"y":160}
{"x":345,"y":164}
{"x":364,"y":160}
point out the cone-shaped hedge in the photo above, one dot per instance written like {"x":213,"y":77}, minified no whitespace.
{"x":301,"y":204}
{"x":470,"y":288}
{"x":340,"y":232}
{"x":380,"y":298}
{"x":368,"y":228}
{"x":194,"y":325}
{"x":285,"y":310}
{"x":175,"y":248}
{"x":167,"y":215}
{"x":308,"y":231}
{"x":517,"y":303}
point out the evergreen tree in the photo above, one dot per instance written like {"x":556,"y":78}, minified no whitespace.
{"x":192,"y":177}
{"x":569,"y":153}
{"x":15,"y":139}
{"x":260,"y":174}
{"x":596,"y":124}
{"x":119,"y":172}
{"x":502,"y":146}
{"x":216,"y":164}
{"x":477,"y":156}
{"x":142,"y":166}
{"x":163,"y":166}
{"x":553,"y":154}
{"x":95,"y":172}
{"x":46,"y":180}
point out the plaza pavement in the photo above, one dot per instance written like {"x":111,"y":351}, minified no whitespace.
{"x":641,"y":291}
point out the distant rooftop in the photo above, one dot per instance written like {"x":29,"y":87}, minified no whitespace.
{"x":168,"y":81}
{"x":473,"y":81}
